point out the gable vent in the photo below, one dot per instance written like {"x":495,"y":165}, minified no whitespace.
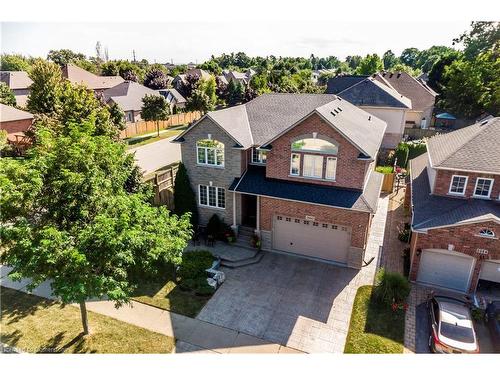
{"x":369,"y":118}
{"x":340,"y":109}
{"x":333,"y":113}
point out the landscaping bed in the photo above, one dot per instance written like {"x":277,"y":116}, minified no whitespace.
{"x":34,"y":324}
{"x":375,"y":327}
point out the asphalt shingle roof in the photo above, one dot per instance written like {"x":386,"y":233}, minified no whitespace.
{"x":473,"y":148}
{"x":78,"y":75}
{"x":16,"y":80}
{"x":128,"y":95}
{"x":431,"y":211}
{"x":254,"y":181}
{"x":8,"y":113}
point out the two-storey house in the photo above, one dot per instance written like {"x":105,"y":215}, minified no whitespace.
{"x":455,"y":192}
{"x":297,"y":168}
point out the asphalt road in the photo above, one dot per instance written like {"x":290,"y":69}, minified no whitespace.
{"x":158,"y":154}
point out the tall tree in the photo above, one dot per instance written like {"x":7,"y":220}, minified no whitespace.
{"x":155,"y":108}
{"x":184,"y":196}
{"x":6,"y":95}
{"x":76,"y":225}
{"x":199,"y":101}
{"x":389,"y":59}
{"x":45,"y":91}
{"x":369,"y":65}
{"x":409,"y":56}
{"x":483,"y":36}
{"x":15,"y":63}
{"x":156,"y":79}
{"x":235,"y":93}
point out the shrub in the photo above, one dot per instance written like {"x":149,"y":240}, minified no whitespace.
{"x":404,"y":235}
{"x":401,"y":155}
{"x":416,"y":148}
{"x":204,"y":290}
{"x":194,"y":264}
{"x":184,"y":197}
{"x":386,"y":169}
{"x":214,"y":226}
{"x":391,"y":287}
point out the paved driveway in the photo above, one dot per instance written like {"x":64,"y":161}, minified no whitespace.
{"x":300,"y":303}
{"x":158,"y":154}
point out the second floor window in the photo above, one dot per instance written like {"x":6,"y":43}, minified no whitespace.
{"x":212,"y":196}
{"x":295,"y":165}
{"x":458,"y":185}
{"x":313,"y":166}
{"x":483,"y":187}
{"x":259,"y":156}
{"x":210,"y":152}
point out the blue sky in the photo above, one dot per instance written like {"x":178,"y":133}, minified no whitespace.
{"x":184,"y":42}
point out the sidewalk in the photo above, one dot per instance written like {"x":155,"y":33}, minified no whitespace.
{"x":192,"y":335}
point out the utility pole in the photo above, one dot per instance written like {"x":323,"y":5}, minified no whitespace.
{"x":133,"y":53}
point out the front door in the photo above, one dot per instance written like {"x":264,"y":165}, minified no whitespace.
{"x":249,"y":210}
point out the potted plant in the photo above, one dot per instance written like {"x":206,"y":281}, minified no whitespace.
{"x":255,"y":241}
{"x":229,"y":235}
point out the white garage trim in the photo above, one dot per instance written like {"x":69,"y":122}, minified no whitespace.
{"x":446,"y":269}
{"x":311,"y":239}
{"x":490,"y":270}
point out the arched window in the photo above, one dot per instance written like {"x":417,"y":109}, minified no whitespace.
{"x":210,"y":152}
{"x":314,"y":145}
{"x":486,"y":233}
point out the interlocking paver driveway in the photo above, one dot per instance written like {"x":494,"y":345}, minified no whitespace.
{"x":300,"y":303}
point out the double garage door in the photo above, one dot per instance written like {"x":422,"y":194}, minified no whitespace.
{"x":445,"y":269}
{"x":490,"y":271}
{"x":310,"y":238}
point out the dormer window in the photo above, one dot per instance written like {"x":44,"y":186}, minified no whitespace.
{"x":210,"y":152}
{"x":487,"y":233}
{"x":319,"y":160}
{"x":458,"y":185}
{"x":259,"y":156}
{"x":483,"y":187}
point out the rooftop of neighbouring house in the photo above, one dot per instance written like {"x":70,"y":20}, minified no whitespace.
{"x":128,"y":95}
{"x":78,"y":75}
{"x":8,"y":113}
{"x":16,"y":80}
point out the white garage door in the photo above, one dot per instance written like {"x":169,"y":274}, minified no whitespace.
{"x":445,"y":269}
{"x":490,"y":271}
{"x":310,"y":238}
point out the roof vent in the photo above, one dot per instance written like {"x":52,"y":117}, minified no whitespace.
{"x":340,"y":109}
{"x":336,"y":110}
{"x":484,"y":122}
{"x":369,"y":118}
{"x":333,"y":113}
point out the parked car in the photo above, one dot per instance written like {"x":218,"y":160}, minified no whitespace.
{"x":451,"y":326}
{"x":492,"y":317}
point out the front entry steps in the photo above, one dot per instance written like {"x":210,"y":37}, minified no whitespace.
{"x":256,"y":258}
{"x":245,"y":235}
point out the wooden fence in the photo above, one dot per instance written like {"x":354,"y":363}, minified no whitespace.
{"x":388,"y":182}
{"x":144,"y":127}
{"x":163,"y":185}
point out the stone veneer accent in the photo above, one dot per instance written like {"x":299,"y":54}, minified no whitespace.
{"x":465,"y":239}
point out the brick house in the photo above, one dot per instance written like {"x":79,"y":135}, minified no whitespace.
{"x":297,"y":169}
{"x":14,"y":122}
{"x":455,"y":201}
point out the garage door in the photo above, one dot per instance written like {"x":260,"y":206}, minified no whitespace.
{"x":445,"y":269}
{"x":310,"y":238}
{"x":490,"y":271}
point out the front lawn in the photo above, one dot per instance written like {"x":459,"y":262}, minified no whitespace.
{"x":374,"y":327}
{"x":153,"y":137}
{"x":33,"y":324}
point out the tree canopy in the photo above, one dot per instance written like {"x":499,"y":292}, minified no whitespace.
{"x":6,"y":95}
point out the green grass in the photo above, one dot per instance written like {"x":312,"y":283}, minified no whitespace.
{"x":33,"y":324}
{"x":387,"y":169}
{"x":374,"y":327}
{"x":152,"y":137}
{"x":166,"y":294}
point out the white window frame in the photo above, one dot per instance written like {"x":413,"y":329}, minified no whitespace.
{"x":334,"y":170}
{"x":207,"y":194}
{"x":314,"y":158}
{"x":482,"y":233}
{"x":489,"y":191}
{"x":451,"y":184}
{"x":257,"y":152}
{"x":291,"y":164}
{"x":205,"y":149}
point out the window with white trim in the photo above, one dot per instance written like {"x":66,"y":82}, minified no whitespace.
{"x":331,"y":168}
{"x":458,"y":185}
{"x":295,"y":165}
{"x":210,"y":152}
{"x":259,"y":156}
{"x":313,"y":166}
{"x":487,"y":233}
{"x":212,"y":196}
{"x":483,"y":187}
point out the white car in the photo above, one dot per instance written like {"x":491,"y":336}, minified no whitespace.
{"x":452,"y":330}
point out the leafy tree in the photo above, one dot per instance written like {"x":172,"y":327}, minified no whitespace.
{"x":389,"y":59}
{"x":409,"y":56}
{"x":155,"y":108}
{"x":64,"y":56}
{"x":126,"y":69}
{"x":369,"y":65}
{"x":235,"y":93}
{"x":484,"y":35}
{"x":436,"y":80}
{"x":156,"y":79}
{"x":414,"y":72}
{"x":6,"y":95}
{"x":353,"y":61}
{"x":45,"y":92}
{"x":199,"y":101}
{"x":76,"y":225}
{"x":15,"y":63}
{"x":209,"y":87}
{"x":220,"y":89}
{"x":117,"y":116}
{"x":190,"y":84}
{"x":184,"y":196}
{"x":130,"y":75}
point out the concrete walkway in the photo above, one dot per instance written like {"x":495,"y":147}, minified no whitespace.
{"x":192,"y":335}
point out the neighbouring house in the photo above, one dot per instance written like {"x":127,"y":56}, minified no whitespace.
{"x":15,"y":123}
{"x":19,"y":82}
{"x":94,"y":82}
{"x":175,"y":99}
{"x":180,"y":80}
{"x":296,"y":169}
{"x":128,"y":95}
{"x":233,"y":75}
{"x":422,"y":97}
{"x":455,"y":201}
{"x":377,"y":99}
{"x":316,"y":74}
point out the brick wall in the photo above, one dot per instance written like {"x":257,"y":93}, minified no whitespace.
{"x":443,"y":180}
{"x":358,"y":221}
{"x":465,"y":239}
{"x":15,"y":126}
{"x":350,"y":171}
